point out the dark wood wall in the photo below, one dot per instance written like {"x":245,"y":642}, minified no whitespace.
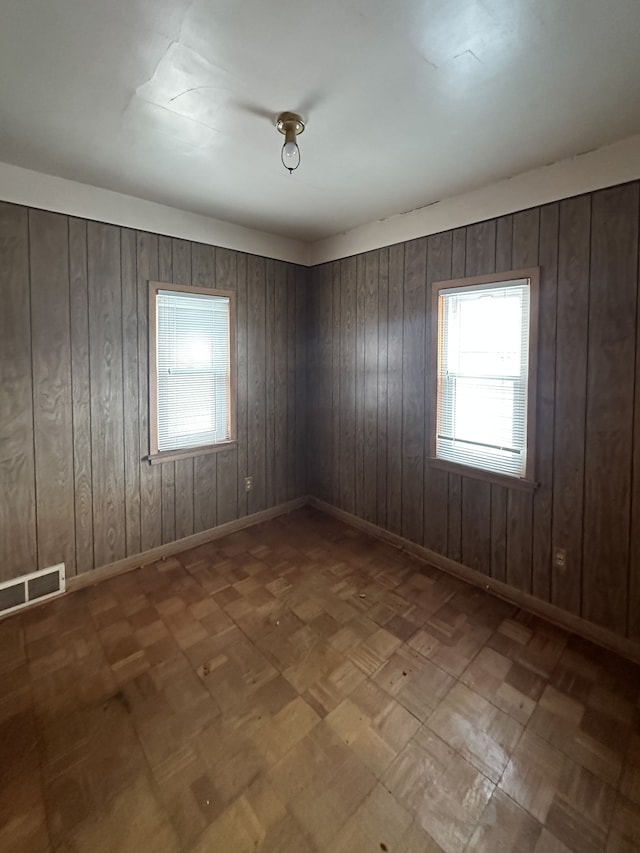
{"x":74,"y":384}
{"x":369,"y":368}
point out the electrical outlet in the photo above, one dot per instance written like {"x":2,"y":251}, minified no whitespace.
{"x":560,"y":558}
{"x":248,"y":484}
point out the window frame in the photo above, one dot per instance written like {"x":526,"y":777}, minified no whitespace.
{"x":155,"y":455}
{"x":526,"y":482}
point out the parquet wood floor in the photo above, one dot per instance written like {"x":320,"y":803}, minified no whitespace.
{"x":300,"y":687}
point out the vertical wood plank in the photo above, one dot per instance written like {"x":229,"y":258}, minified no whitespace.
{"x":383,"y":385}
{"x":395,"y":389}
{"x":270,"y":387}
{"x":150,"y":475}
{"x":81,"y":393}
{"x":293,"y":406}
{"x":439,"y":259}
{"x":18,"y":547}
{"x":504,"y":243}
{"x":107,"y":414}
{"x":498,"y":533}
{"x":476,"y":524}
{"x":348,"y":386}
{"x":454,"y":517}
{"x":359,"y":385}
{"x":570,"y":394}
{"x":545,"y":408}
{"x":633,"y":615}
{"x":280,"y":438}
{"x":481,"y":248}
{"x":227,"y":474}
{"x":371,"y":355}
{"x":256,"y":283}
{"x":205,"y":468}
{"x":323,"y":287}
{"x":130,"y":390}
{"x":610,"y":400}
{"x":504,"y":254}
{"x":526,"y":231}
{"x":413,"y":367}
{"x":312,"y":375}
{"x":301,"y":279}
{"x":335,"y":384}
{"x":52,"y":408}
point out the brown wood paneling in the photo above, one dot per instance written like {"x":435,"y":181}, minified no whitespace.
{"x":184,"y":480}
{"x":52,"y":409}
{"x":545,"y":407}
{"x":150,"y":475}
{"x":205,"y":468}
{"x":504,"y":243}
{"x":320,"y":365}
{"x":105,"y":350}
{"x":439,"y":257}
{"x":481,"y":248}
{"x":360,"y":385}
{"x":347,"y":385}
{"x":280,"y":389}
{"x":243,"y":383}
{"x":270,"y":386}
{"x":299,"y":388}
{"x":570,"y":396}
{"x":395,"y":389}
{"x":18,"y":548}
{"x":293,"y":413}
{"x":383,"y":386}
{"x":227,"y":474}
{"x":256,"y":354}
{"x":454,"y":517}
{"x":610,"y":402}
{"x":413,"y":367}
{"x":335,"y":383}
{"x":526,"y":228}
{"x":312,"y":375}
{"x":371,"y":355}
{"x":498,"y":532}
{"x":81,"y":394}
{"x":476,"y":524}
{"x":633,"y":618}
{"x":130,"y":390}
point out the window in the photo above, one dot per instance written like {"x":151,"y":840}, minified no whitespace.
{"x":486,"y":340}
{"x":191,"y":375}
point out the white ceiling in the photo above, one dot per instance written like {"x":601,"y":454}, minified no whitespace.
{"x":406,"y":102}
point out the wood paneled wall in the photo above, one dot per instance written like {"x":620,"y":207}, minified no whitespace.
{"x":369,"y":368}
{"x":74,"y":485}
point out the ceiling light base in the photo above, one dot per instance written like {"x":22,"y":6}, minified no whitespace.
{"x":287,"y":122}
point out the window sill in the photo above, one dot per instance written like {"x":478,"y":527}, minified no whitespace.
{"x":519,"y":483}
{"x":189,"y":453}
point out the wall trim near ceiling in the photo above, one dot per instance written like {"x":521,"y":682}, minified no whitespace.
{"x":594,"y":170}
{"x":604,"y":167}
{"x":557,"y":616}
{"x":46,"y":192}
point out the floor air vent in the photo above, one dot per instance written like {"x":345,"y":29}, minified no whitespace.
{"x":37,"y":586}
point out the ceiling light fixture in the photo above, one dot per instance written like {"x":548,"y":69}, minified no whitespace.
{"x":291,"y":125}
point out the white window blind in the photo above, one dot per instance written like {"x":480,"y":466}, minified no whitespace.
{"x":193,"y":369}
{"x":483,"y":366}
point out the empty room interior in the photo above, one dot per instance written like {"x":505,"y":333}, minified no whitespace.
{"x":320,"y":426}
